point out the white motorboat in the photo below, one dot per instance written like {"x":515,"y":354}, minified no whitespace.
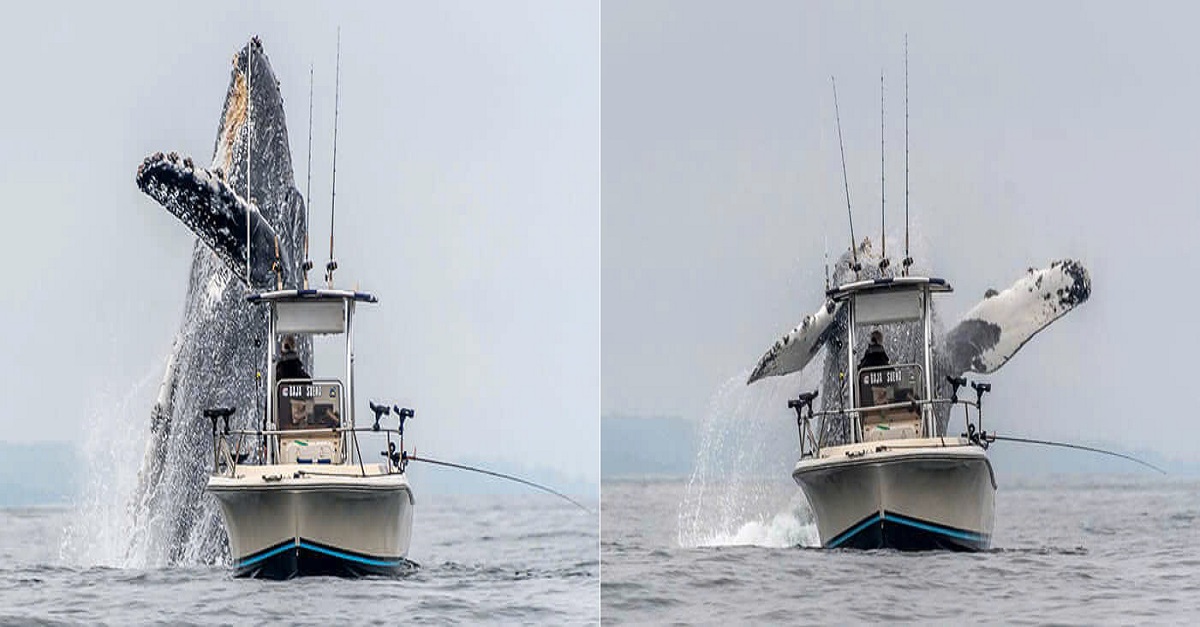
{"x":881,"y":471}
{"x":313,"y":505}
{"x":878,"y":463}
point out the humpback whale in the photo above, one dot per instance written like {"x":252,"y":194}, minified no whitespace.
{"x":219,"y":339}
{"x":984,"y":339}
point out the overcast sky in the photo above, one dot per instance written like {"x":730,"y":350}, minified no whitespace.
{"x":468,"y":193}
{"x":1038,"y":131}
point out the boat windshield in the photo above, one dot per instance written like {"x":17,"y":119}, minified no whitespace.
{"x":882,"y":385}
{"x":309,"y":404}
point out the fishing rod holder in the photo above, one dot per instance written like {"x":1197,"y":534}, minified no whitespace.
{"x":222,"y":456}
{"x":808,"y":442}
{"x":980,"y":390}
{"x":403,"y":413}
{"x":329,"y":269}
{"x":398,"y":460}
{"x":955,"y":383}
{"x":380,"y":411}
{"x":220,"y":413}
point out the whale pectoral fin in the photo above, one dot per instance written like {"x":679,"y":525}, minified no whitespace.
{"x":792,"y":352}
{"x":995,"y":329}
{"x":204,"y":202}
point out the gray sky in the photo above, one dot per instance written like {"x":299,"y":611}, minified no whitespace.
{"x":1038,"y":131}
{"x":468,"y":194}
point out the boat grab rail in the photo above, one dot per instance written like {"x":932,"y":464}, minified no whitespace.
{"x":311,"y":432}
{"x":223,"y":458}
{"x":810,"y":445}
{"x":897,"y":405}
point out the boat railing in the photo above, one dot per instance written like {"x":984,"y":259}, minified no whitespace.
{"x":226,"y":459}
{"x":811,"y":443}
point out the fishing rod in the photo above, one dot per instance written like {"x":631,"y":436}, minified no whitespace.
{"x":883,"y":263}
{"x":845,"y":179}
{"x":908,"y":261}
{"x":501,"y":475}
{"x":337,"y":83}
{"x":249,"y":139}
{"x":308,"y":264}
{"x":993,"y":437}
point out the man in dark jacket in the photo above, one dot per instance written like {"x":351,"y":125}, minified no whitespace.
{"x":289,"y":365}
{"x":875,"y":355}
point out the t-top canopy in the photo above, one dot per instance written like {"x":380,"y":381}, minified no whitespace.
{"x":887,"y":284}
{"x":311,"y":312}
{"x":294,"y":295}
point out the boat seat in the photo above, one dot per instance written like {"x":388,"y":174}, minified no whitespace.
{"x":321,"y":450}
{"x":892,"y":429}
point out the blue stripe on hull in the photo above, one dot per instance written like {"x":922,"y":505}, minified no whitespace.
{"x":302,"y":558}
{"x":888,"y":530}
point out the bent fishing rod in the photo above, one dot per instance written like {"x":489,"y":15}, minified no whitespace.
{"x":414,"y":458}
{"x":992,"y":437}
{"x":401,"y":458}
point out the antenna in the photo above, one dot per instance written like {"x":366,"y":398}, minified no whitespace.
{"x":883,"y":262}
{"x":249,"y":139}
{"x":845,"y":180}
{"x":308,"y":190}
{"x":332,"y":265}
{"x":907,"y":258}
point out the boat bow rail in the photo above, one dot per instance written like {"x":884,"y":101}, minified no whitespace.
{"x":814,"y":426}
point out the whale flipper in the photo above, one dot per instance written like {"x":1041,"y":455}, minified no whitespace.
{"x":793,"y":351}
{"x":995,"y":329}
{"x":203,"y":201}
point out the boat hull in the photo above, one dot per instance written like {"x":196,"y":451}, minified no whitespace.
{"x":282,"y":524}
{"x":909,"y":498}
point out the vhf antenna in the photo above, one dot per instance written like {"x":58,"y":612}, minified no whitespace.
{"x":845,"y":181}
{"x":308,"y":264}
{"x":883,"y":262}
{"x":249,"y":138}
{"x":332,"y":265}
{"x":907,"y":258}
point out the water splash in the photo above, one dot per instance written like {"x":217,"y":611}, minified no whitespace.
{"x":740,"y":492}
{"x":111,"y":446}
{"x":792,"y":527}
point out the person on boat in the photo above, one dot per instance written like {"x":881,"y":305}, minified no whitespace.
{"x":289,"y":365}
{"x":875,"y":355}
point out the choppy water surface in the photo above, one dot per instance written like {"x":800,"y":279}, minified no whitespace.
{"x":1065,"y":550}
{"x":483,"y":559}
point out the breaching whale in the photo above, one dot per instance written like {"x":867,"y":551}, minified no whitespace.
{"x":173,"y":522}
{"x":984,"y":339}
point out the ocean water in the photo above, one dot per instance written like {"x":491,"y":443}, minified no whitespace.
{"x":484,"y":559}
{"x":1066,"y":550}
